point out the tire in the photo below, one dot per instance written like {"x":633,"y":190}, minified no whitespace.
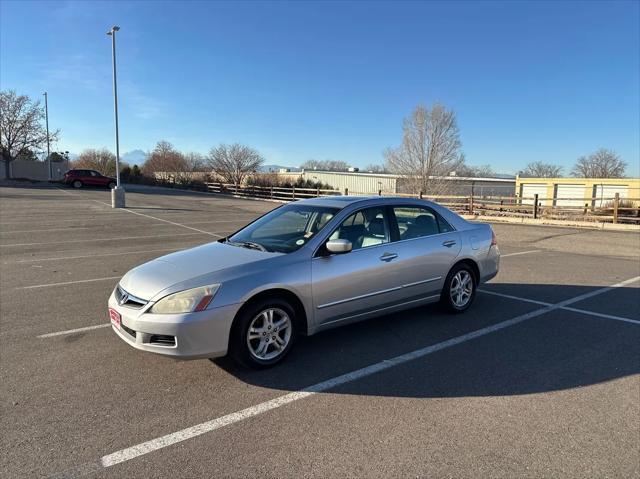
{"x":454,"y":299}
{"x":111,"y":185}
{"x":246,"y":347}
{"x":77,"y":184}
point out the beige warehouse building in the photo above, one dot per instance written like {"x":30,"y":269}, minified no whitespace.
{"x":594,"y":192}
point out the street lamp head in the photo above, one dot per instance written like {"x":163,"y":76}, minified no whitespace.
{"x":114,"y":28}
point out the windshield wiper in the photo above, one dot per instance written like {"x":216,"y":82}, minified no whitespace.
{"x":248,"y":244}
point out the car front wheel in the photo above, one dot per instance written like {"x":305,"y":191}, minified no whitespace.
{"x":459,"y":289}
{"x":77,"y":184}
{"x":111,"y":185}
{"x":263,"y":334}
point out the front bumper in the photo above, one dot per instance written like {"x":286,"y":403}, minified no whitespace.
{"x":204,"y":334}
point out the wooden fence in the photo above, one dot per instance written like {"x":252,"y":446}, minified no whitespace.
{"x":615,"y":209}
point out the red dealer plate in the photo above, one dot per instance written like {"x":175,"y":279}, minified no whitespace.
{"x":116,"y":319}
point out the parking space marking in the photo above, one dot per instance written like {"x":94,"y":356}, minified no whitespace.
{"x":566,"y":308}
{"x":48,"y":285}
{"x":519,"y":253}
{"x":71,"y":331}
{"x":602,"y":315}
{"x":147,"y":447}
{"x":100,"y":239}
{"x":153,"y":217}
{"x":60,"y":258}
{"x":46,"y":230}
{"x":517,"y":298}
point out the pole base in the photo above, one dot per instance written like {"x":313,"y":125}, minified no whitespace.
{"x":117,"y":197}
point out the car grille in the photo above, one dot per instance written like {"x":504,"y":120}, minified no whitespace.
{"x":125,"y":299}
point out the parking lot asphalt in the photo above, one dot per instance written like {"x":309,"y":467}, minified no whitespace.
{"x":540,"y":378}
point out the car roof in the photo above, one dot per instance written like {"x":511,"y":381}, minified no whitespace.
{"x":344,"y":201}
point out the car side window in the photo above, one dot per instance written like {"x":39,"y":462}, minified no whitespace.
{"x":364,"y":228}
{"x":417,"y":222}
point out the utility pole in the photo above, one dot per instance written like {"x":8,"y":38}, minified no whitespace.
{"x":117,"y":194}
{"x":46,"y":116}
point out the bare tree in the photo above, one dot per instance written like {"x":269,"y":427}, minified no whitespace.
{"x":195,"y":161}
{"x":480,"y":171}
{"x":100,"y":160}
{"x":325,"y":165}
{"x":375,"y":168}
{"x":430,"y":148}
{"x":235,"y":162}
{"x":540,"y":169}
{"x":165,"y":162}
{"x":21,"y":127}
{"x":601,"y":164}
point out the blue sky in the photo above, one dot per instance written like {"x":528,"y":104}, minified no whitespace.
{"x":543,"y":81}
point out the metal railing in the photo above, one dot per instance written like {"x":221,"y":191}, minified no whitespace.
{"x":614,"y":209}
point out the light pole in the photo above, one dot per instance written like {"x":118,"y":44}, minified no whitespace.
{"x":46,"y":116}
{"x":117,"y":194}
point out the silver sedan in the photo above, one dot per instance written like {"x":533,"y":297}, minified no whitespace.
{"x":302,"y":268}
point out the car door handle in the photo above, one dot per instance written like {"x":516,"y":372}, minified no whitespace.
{"x":449,"y":243}
{"x":388,"y":256}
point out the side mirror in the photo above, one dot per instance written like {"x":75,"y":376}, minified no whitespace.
{"x":339,"y":246}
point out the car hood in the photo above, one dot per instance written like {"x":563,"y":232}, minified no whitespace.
{"x":149,"y":279}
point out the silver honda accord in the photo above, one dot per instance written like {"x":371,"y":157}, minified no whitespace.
{"x":302,"y":268}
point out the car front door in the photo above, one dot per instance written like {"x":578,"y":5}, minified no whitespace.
{"x":366,"y":279}
{"x":427,"y":247}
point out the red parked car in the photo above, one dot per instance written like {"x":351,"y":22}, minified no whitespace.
{"x":81,"y":178}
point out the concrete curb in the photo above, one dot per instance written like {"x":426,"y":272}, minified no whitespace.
{"x":551,"y":222}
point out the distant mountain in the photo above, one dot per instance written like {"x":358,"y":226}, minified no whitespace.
{"x":134,"y":157}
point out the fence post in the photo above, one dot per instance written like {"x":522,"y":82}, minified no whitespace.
{"x":535,"y":206}
{"x":318,"y":192}
{"x":379,"y":192}
{"x":421,"y":194}
{"x":293,"y":191}
{"x":501,"y":204}
{"x":616,"y":204}
{"x":271,"y":192}
{"x":346,"y":192}
{"x":471,"y":204}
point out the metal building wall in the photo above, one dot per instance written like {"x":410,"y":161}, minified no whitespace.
{"x":357,"y":183}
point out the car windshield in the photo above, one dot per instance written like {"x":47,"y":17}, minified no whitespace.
{"x":285,"y":229}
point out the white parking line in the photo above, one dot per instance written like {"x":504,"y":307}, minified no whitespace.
{"x":152,"y":217}
{"x":518,"y":298}
{"x":102,"y":239}
{"x":46,"y":230}
{"x":602,"y":315}
{"x":120,"y":253}
{"x":566,"y":308}
{"x":519,"y":253}
{"x":77,"y":330}
{"x":48,"y":285}
{"x":205,"y":427}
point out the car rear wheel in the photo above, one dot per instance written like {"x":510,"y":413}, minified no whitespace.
{"x":77,"y":184}
{"x":459,"y":289}
{"x":263,"y":334}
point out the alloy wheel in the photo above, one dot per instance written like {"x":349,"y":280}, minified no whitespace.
{"x":269,"y":334}
{"x":461,"y":288}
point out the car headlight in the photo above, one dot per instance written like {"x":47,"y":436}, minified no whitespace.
{"x":188,"y":301}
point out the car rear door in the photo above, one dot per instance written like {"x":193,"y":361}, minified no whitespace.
{"x":94,"y":178}
{"x":363,"y":280}
{"x":427,"y":247}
